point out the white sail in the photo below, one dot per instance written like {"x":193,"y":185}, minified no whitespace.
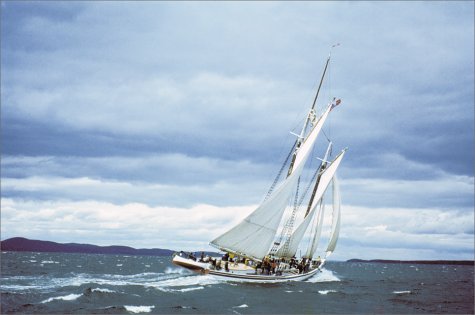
{"x":335,"y":232}
{"x":253,"y":236}
{"x":297,"y":235}
{"x":290,"y":249}
{"x":315,"y":238}
{"x":307,"y":145}
{"x":326,"y":178}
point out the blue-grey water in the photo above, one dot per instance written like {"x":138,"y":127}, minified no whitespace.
{"x":49,"y":283}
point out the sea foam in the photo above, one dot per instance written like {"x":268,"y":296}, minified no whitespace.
{"x":324,"y":276}
{"x":241,"y":306}
{"x":103,"y":290}
{"x":139,"y":309}
{"x":69,"y":297}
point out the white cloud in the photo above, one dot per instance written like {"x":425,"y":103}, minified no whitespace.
{"x":373,"y":231}
{"x":133,"y":224}
{"x":444,"y":191}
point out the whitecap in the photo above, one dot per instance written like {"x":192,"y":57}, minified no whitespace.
{"x":139,"y":309}
{"x":33,"y":261}
{"x":241,"y":306}
{"x":15,"y":287}
{"x":163,"y":289}
{"x":323,"y":276}
{"x":189,"y":281}
{"x":189,"y":289}
{"x":288,"y":291}
{"x":103,"y":290}
{"x":326,"y":291}
{"x":119,"y":265}
{"x":69,"y":297}
{"x":180,"y":271}
{"x":402,"y":292}
{"x":49,"y":262}
{"x":194,"y":282}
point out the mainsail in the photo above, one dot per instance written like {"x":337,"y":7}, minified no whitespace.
{"x":297,"y":235}
{"x":253,"y":236}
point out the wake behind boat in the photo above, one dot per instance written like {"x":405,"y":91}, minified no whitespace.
{"x":263,"y":246}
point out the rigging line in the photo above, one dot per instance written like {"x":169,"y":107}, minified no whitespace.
{"x":271,"y":189}
{"x":288,"y":226}
{"x":308,"y":187}
{"x":328,"y":139}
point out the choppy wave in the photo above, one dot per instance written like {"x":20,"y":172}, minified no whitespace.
{"x":188,"y":289}
{"x":171,"y":280}
{"x":69,"y":297}
{"x":101,"y":290}
{"x":179,"y":271}
{"x":324,"y":276}
{"x":139,"y":309}
{"x":46,"y":283}
{"x":192,"y":283}
{"x":241,"y":306}
{"x":102,"y":287}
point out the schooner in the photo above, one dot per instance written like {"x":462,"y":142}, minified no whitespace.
{"x":263,"y":246}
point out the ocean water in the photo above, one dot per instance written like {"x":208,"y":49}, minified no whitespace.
{"x":49,"y":283}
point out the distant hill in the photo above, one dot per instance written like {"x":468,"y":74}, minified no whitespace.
{"x":430,"y":262}
{"x":21,"y":244}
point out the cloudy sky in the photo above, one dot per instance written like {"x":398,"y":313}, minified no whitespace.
{"x":160,"y":124}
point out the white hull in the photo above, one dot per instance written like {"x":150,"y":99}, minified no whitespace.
{"x":204,"y":268}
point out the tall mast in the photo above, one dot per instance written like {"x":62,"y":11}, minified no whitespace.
{"x":320,"y":85}
{"x":310,"y":117}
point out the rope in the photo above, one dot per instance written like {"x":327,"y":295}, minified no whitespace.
{"x":280,"y":172}
{"x":328,"y":139}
